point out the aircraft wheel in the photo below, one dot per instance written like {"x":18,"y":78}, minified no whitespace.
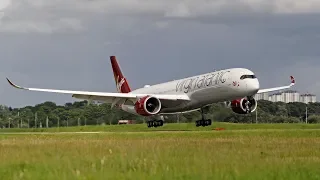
{"x":155,"y":124}
{"x":198,"y":123}
{"x":160,"y":122}
{"x":209,"y":122}
{"x":203,"y":123}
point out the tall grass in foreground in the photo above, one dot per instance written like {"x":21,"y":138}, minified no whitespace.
{"x":246,"y":155}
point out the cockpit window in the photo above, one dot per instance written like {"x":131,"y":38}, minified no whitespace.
{"x":248,"y":76}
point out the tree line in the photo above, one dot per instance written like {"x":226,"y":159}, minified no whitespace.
{"x":49,"y":114}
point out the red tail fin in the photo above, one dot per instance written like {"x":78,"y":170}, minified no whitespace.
{"x":121,"y":81}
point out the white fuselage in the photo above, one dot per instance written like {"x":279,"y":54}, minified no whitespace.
{"x":205,"y":89}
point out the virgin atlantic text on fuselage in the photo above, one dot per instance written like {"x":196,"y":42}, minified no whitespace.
{"x":199,"y":82}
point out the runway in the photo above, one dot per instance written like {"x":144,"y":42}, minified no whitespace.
{"x":96,"y":132}
{"x":31,"y":133}
{"x":153,"y":131}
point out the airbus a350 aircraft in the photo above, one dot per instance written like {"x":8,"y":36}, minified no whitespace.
{"x":236,"y":85}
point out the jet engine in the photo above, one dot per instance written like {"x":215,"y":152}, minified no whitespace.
{"x":147,"y":106}
{"x":244,"y":105}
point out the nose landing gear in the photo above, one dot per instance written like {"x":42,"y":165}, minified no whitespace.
{"x":248,"y":104}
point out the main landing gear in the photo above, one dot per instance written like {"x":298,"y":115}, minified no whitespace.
{"x":155,"y":123}
{"x":203,"y":122}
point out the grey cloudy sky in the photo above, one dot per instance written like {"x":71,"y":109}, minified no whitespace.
{"x":66,"y":44}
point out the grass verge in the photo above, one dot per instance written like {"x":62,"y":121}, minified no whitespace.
{"x":289,"y":153}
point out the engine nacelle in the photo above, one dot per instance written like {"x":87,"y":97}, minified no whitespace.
{"x":239,"y":105}
{"x":148,"y":106}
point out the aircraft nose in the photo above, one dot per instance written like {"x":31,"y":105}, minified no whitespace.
{"x":254,"y":86}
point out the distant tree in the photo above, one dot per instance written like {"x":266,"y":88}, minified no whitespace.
{"x":92,"y":114}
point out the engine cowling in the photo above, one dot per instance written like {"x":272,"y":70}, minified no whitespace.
{"x":239,"y":105}
{"x":148,"y":106}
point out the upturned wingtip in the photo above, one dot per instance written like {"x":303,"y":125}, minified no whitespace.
{"x":293,"y":81}
{"x":13,"y":85}
{"x":10,"y":82}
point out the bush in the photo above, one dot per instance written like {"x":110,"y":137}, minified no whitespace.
{"x":292,"y":120}
{"x":285,"y":119}
{"x":314,"y":119}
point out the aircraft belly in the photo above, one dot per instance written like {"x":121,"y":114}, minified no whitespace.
{"x":201,"y":98}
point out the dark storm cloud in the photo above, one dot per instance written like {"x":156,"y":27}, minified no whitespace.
{"x":153,"y":44}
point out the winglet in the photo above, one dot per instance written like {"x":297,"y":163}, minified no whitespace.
{"x":293,"y":81}
{"x":15,"y":86}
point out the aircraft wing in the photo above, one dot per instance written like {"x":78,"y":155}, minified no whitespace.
{"x":278,"y":88}
{"x":107,"y":97}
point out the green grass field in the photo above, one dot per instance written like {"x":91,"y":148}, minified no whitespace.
{"x":241,"y":151}
{"x":166,"y":127}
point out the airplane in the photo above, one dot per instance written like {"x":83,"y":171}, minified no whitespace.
{"x":235,"y":85}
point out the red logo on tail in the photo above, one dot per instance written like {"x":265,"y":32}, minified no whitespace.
{"x":119,"y":84}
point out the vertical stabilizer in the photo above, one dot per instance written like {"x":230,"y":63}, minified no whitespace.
{"x":121,"y":81}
